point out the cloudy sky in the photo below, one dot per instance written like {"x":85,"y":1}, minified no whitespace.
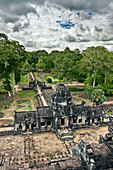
{"x":55,"y":24}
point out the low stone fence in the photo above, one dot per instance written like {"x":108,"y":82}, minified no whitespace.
{"x":6,"y":133}
{"x":9,"y":125}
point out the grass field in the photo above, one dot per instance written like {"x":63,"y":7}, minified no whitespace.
{"x":35,"y":102}
{"x":23,"y":94}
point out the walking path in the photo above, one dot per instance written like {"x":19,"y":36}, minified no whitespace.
{"x":40,"y":93}
{"x":6,"y":129}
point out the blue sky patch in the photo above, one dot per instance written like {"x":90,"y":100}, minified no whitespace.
{"x":57,"y":7}
{"x":78,"y":14}
{"x":66,"y":24}
{"x":90,"y":13}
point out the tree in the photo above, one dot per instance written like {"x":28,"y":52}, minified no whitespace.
{"x":79,"y":55}
{"x":97,"y":96}
{"x":108,"y":86}
{"x":40,"y":64}
{"x":97,"y":60}
{"x":26,"y":68}
{"x":65,"y":65}
{"x":35,"y":55}
{"x":16,"y":55}
{"x":17,"y":75}
{"x":12,"y":54}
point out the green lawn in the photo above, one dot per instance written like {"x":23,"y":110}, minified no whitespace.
{"x":35,"y":102}
{"x":31,"y":93}
{"x":24,"y":94}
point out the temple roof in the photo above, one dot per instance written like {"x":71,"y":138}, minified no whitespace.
{"x":61,"y":90}
{"x":44,"y":111}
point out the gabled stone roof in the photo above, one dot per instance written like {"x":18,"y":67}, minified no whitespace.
{"x":44,"y":111}
{"x":21,"y":116}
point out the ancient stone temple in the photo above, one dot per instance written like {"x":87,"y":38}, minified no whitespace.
{"x":108,"y":139}
{"x":97,"y":156}
{"x":61,"y":113}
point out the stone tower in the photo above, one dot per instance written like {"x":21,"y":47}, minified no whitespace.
{"x":61,"y":104}
{"x":61,"y":95}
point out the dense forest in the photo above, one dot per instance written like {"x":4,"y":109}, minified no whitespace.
{"x":93,"y":66}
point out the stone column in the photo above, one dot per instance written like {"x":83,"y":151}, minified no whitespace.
{"x":83,"y":120}
{"x":29,"y":126}
{"x":95,"y":120}
{"x":23,"y":127}
{"x":65,"y":122}
{"x":45,"y":125}
{"x":90,"y":121}
{"x":77,"y":120}
{"x":16,"y":127}
{"x":68,"y":122}
{"x":37,"y":124}
{"x":71,"y":120}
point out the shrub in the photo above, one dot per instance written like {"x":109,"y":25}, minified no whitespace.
{"x":49,"y":80}
{"x":108,"y":88}
{"x":97,"y":96}
{"x":89,"y":89}
{"x":1,"y":115}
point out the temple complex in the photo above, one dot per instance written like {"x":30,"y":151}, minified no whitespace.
{"x":26,"y":149}
{"x":61,"y":113}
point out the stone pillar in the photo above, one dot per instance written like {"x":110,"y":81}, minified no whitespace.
{"x":29,"y":126}
{"x":16,"y":127}
{"x":95,"y":120}
{"x":83,"y":120}
{"x":23,"y":127}
{"x":45,"y":125}
{"x":65,"y":122}
{"x":90,"y":121}
{"x":77,"y":120}
{"x":71,"y":120}
{"x":56,"y":123}
{"x":37,"y":124}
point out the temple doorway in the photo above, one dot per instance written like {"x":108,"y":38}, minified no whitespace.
{"x":62,"y":122}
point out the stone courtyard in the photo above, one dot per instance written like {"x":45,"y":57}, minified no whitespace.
{"x":42,"y":147}
{"x":38,"y":147}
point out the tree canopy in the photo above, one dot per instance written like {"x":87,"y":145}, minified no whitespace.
{"x":93,"y":66}
{"x":96,"y":61}
{"x":12,"y":56}
{"x":65,"y":65}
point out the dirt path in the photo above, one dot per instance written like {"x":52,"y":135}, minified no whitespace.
{"x":110,"y":102}
{"x":6,"y":129}
{"x":17,"y":88}
{"x":7,"y":118}
{"x":32,"y":104}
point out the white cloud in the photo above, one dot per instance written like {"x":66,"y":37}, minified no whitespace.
{"x":50,"y":26}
